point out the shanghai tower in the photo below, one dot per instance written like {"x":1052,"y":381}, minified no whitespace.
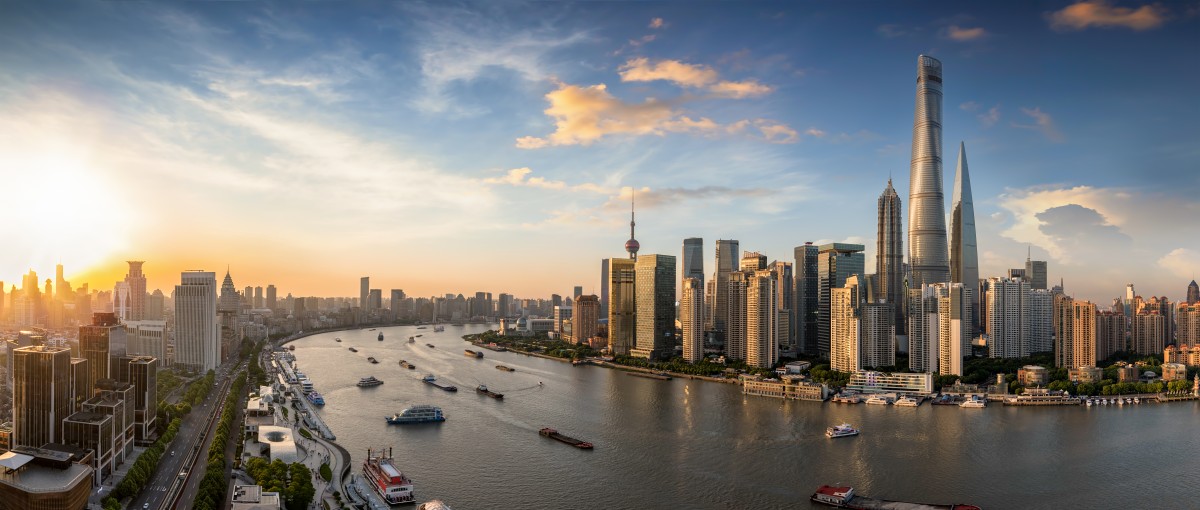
{"x":927,"y":247}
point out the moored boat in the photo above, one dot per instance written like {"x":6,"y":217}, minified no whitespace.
{"x":407,"y":365}
{"x":553,"y":434}
{"x":372,"y":359}
{"x":316,"y":398}
{"x":973,"y":403}
{"x":843,"y":430}
{"x":907,"y":401}
{"x":879,"y":400}
{"x":380,"y":336}
{"x":844,"y":497}
{"x":338,"y":339}
{"x":439,"y":329}
{"x":386,"y":479}
{"x":429,"y":346}
{"x":353,"y":349}
{"x":417,"y":414}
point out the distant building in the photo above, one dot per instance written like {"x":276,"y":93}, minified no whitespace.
{"x":1187,"y":321}
{"x":1193,"y":293}
{"x":789,"y":388}
{"x":655,"y":306}
{"x":1007,"y":327}
{"x":726,"y":263}
{"x":197,"y":339}
{"x":691,"y":319}
{"x":101,"y":343}
{"x":1085,"y":374}
{"x":1032,"y":375}
{"x":271,"y":297}
{"x":954,"y":328}
{"x":135,"y":282}
{"x":585,"y":323}
{"x":835,"y":263}
{"x":147,"y":338}
{"x":889,"y":252}
{"x":735,"y":318}
{"x":1149,"y":332}
{"x":805,"y":308}
{"x":964,"y":250}
{"x":924,"y":326}
{"x":866,"y":381}
{"x":1110,"y":334}
{"x":622,"y":306}
{"x":1127,"y":373}
{"x":1082,"y":349}
{"x":252,"y":497}
{"x":1035,"y":274}
{"x":1174,"y":371}
{"x":1187,"y":355}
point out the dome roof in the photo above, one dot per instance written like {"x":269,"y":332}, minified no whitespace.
{"x":632,"y":245}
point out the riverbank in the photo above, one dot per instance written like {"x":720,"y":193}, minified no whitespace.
{"x":617,"y":366}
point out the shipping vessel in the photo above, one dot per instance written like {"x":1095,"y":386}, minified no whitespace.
{"x":407,"y":365}
{"x":386,"y":479}
{"x":553,"y":434}
{"x":380,"y":338}
{"x":844,"y":497}
{"x":472,"y":354}
{"x":843,"y":430}
{"x":505,"y":368}
{"x":495,"y":347}
{"x":439,"y":329}
{"x":483,"y":389}
{"x":369,"y":381}
{"x":432,"y":381}
{"x":418,"y":414}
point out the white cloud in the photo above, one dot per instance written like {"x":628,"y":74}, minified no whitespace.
{"x":641,"y":69}
{"x":1042,"y":122}
{"x":1181,"y":262}
{"x":1099,"y":13}
{"x":990,"y":117}
{"x":963,"y":34}
{"x":657,"y":23}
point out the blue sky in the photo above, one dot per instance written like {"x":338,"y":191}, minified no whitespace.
{"x":493,"y":146}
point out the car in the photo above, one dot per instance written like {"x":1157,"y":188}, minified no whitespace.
{"x":145,"y":506}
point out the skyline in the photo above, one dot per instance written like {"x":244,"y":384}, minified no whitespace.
{"x":311,"y":148}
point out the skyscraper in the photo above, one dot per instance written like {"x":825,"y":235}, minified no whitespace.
{"x":137,"y":290}
{"x":655,"y":290}
{"x":586,"y":319}
{"x":258,"y":298}
{"x":727,"y":262}
{"x":197,"y":339}
{"x":691,"y":319}
{"x":835,"y":263}
{"x":1041,"y":320}
{"x":964,"y":253}
{"x":229,"y":301}
{"x":843,"y":330}
{"x":735,"y":315}
{"x":785,"y":293}
{"x":271,"y":297}
{"x":622,"y":306}
{"x":693,"y":261}
{"x":753,"y":261}
{"x":364,"y":290}
{"x":1110,"y":333}
{"x":1008,"y":318}
{"x":927,"y":257}
{"x":805,"y":307}
{"x":41,"y":394}
{"x":1193,"y":293}
{"x":102,"y":343}
{"x":954,"y":328}
{"x":924,"y":327}
{"x":1082,"y":349}
{"x":61,"y":292}
{"x":604,"y":281}
{"x":1035,"y":273}
{"x":889,"y":253}
{"x":762,"y":319}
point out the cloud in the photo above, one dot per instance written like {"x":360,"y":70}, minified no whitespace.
{"x":663,"y":197}
{"x":641,"y":69}
{"x":585,"y":114}
{"x":1182,"y":262}
{"x":1042,"y":122}
{"x":1098,"y":13}
{"x":657,"y":23}
{"x":518,"y":177}
{"x":990,"y":117}
{"x":962,"y":34}
{"x":970,"y":106}
{"x":891,"y":31}
{"x":814,"y":132}
{"x":1047,"y":217}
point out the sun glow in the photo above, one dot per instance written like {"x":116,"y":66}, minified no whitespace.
{"x":60,"y":210}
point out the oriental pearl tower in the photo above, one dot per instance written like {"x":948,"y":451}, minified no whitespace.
{"x":632,"y":244}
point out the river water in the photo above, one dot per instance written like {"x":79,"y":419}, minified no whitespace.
{"x":703,"y":445}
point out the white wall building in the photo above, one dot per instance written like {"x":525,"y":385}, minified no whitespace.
{"x":197,"y":338}
{"x":1007,"y":325}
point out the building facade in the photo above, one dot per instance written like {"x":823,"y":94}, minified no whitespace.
{"x":964,"y":251}
{"x":655,"y":305}
{"x":41,"y":394}
{"x":927,"y":246}
{"x":889,"y":252}
{"x":691,"y":319}
{"x":835,"y":263}
{"x":197,"y":337}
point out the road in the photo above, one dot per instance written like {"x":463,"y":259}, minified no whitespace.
{"x":196,"y":429}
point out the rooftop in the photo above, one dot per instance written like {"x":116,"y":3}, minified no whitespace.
{"x":86,"y":417}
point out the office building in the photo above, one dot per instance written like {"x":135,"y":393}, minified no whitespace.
{"x":81,"y":384}
{"x":271,"y":297}
{"x":155,"y":307}
{"x":735,"y":319}
{"x":1035,"y":273}
{"x":34,"y":478}
{"x":1193,"y":293}
{"x":805,"y":312}
{"x":927,"y":253}
{"x":867,"y":381}
{"x":562,"y":317}
{"x":585,"y":322}
{"x":122,"y":306}
{"x":762,"y":319}
{"x":655,"y":305}
{"x":622,"y":306}
{"x":101,"y":343}
{"x":604,"y":283}
{"x":691,"y":319}
{"x":258,"y":298}
{"x":141,"y":372}
{"x":93,"y":431}
{"x":41,"y":394}
{"x":693,"y":260}
{"x":726,"y":263}
{"x":753,"y":261}
{"x":197,"y":338}
{"x":229,"y":301}
{"x":889,"y":252}
{"x":146,"y":338}
{"x":835,"y":263}
{"x":364,"y":290}
{"x":1007,"y":328}
{"x":964,"y":252}
{"x":374,"y":300}
{"x":135,"y":282}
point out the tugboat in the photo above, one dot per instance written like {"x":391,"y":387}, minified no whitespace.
{"x":844,"y":497}
{"x":843,"y":430}
{"x":338,"y":339}
{"x":380,"y":336}
{"x":406,"y":364}
{"x":386,"y":480}
{"x":412,"y":339}
{"x":372,"y":359}
{"x":505,"y":368}
{"x":368,"y":381}
{"x":353,"y":349}
{"x":553,"y":434}
{"x":432,"y":381}
{"x":472,"y":354}
{"x":483,"y":389}
{"x":417,"y":414}
{"x":429,"y":346}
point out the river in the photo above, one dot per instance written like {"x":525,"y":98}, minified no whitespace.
{"x":703,"y":445}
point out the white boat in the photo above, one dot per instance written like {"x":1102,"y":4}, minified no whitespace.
{"x":418,"y":414}
{"x":907,"y":401}
{"x":974,"y":403}
{"x":842,"y":430}
{"x":879,"y":400}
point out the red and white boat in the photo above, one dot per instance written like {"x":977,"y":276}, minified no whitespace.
{"x":386,"y":479}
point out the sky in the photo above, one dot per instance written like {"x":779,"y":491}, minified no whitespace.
{"x":460,"y":147}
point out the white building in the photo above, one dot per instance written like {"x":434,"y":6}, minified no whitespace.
{"x":924,"y":327}
{"x":867,"y":381}
{"x":1007,"y":325}
{"x":1041,"y":321}
{"x":147,"y":338}
{"x":762,"y":320}
{"x":691,"y":319}
{"x":197,"y":338}
{"x":954,"y":328}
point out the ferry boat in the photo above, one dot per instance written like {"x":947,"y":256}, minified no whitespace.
{"x":553,"y":434}
{"x":907,"y":401}
{"x":844,"y":497}
{"x":439,"y":329}
{"x":879,"y":400}
{"x":432,"y":381}
{"x":1043,"y":397}
{"x":316,"y":398}
{"x":353,"y":349}
{"x":380,"y":338}
{"x":372,"y":359}
{"x":386,"y":480}
{"x":406,"y":364}
{"x":843,"y":430}
{"x":505,"y":368}
{"x":483,"y":389}
{"x":472,"y":354}
{"x":418,"y":414}
{"x":973,"y":403}
{"x":429,"y":346}
{"x":369,"y":381}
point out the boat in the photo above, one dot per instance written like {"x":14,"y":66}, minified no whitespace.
{"x":1043,"y":397}
{"x":291,"y":347}
{"x":483,"y":389}
{"x":380,"y":336}
{"x":412,"y":339}
{"x":419,"y":336}
{"x":338,"y":339}
{"x":847,"y":398}
{"x":505,"y":368}
{"x":353,"y":349}
{"x":907,"y":401}
{"x":843,"y":430}
{"x":844,"y":497}
{"x":316,"y":398}
{"x":436,"y":504}
{"x":879,"y":400}
{"x":406,"y":364}
{"x":973,"y":403}
{"x":945,"y":400}
{"x":429,"y":346}
{"x":432,"y":381}
{"x":495,"y":347}
{"x":422,"y":327}
{"x":553,"y":434}
{"x":472,"y":354}
{"x":369,"y":381}
{"x":439,"y":329}
{"x":372,"y":329}
{"x":372,"y":359}
{"x":386,"y":479}
{"x":417,"y":414}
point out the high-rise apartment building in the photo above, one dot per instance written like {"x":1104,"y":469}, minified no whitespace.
{"x":954,"y":328}
{"x":735,"y":318}
{"x":835,"y":263}
{"x":889,"y":252}
{"x":726,"y":263}
{"x":1149,"y":332}
{"x":585,"y":323}
{"x":927,"y":253}
{"x":1063,"y":323}
{"x":805,"y":311}
{"x":622,"y":306}
{"x":924,"y":327}
{"x":136,"y":282}
{"x":1187,"y":323}
{"x":1082,"y":350}
{"x":505,"y":303}
{"x":655,"y":304}
{"x":785,"y":293}
{"x":762,"y":319}
{"x":862,"y":333}
{"x":374,"y":300}
{"x":197,"y":338}
{"x":271,"y":297}
{"x":753,"y":261}
{"x":1008,"y":318}
{"x":844,"y":355}
{"x":364,"y":290}
{"x":102,"y":342}
{"x":258,"y":298}
{"x":1110,"y":334}
{"x":41,"y":394}
{"x":691,"y":319}
{"x":964,"y":252}
{"x":1041,"y":320}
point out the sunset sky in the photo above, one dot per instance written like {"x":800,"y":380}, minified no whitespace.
{"x":493,"y":146}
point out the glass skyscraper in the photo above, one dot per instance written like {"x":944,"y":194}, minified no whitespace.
{"x":927,"y":254}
